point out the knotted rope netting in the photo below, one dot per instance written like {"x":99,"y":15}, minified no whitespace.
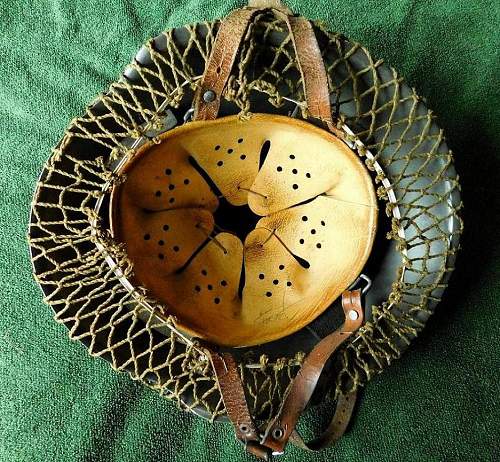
{"x":70,"y":241}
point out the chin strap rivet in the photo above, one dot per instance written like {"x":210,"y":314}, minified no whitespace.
{"x":353,"y":315}
{"x":209,"y":96}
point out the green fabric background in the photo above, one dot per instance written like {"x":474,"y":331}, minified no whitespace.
{"x":438,"y":403}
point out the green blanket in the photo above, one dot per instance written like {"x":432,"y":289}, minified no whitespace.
{"x":437,"y":403}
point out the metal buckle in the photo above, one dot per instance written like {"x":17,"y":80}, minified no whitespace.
{"x":366,"y":279}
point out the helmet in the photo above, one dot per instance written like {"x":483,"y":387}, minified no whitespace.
{"x":210,"y":223}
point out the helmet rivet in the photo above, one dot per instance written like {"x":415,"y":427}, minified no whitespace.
{"x":278,"y":433}
{"x":209,"y":96}
{"x":353,"y":315}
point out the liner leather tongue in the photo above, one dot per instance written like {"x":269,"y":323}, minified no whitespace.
{"x":304,"y":162}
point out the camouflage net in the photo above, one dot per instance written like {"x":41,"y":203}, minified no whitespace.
{"x":70,"y":242}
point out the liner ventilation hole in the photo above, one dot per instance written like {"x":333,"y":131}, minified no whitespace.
{"x":161,"y":242}
{"x":166,"y":227}
{"x":269,"y":294}
{"x":204,"y":272}
{"x":147,"y":237}
{"x":240,"y":140}
{"x":216,"y":300}
{"x":217,"y":147}
{"x":171,"y":187}
{"x":168,"y":171}
{"x":279,"y":168}
{"x":158,"y":193}
{"x":281,"y":267}
{"x":295,"y":186}
{"x":261,"y":276}
{"x":161,"y":256}
{"x":186,"y":181}
{"x":264,"y":151}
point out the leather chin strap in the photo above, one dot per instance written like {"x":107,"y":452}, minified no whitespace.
{"x":282,"y":427}
{"x":232,"y":29}
{"x":302,"y":388}
{"x":207,"y":102}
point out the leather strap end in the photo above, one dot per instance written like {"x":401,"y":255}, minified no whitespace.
{"x":281,"y":428}
{"x":233,"y":395}
{"x":353,"y":310}
{"x":259,"y":451}
{"x":337,"y":427}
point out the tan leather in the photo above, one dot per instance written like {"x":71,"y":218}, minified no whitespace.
{"x":305,"y":382}
{"x":314,"y":202}
{"x":312,"y":71}
{"x":337,"y":427}
{"x":258,"y":450}
{"x":233,"y":394}
{"x":220,"y":62}
{"x":309,"y":60}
